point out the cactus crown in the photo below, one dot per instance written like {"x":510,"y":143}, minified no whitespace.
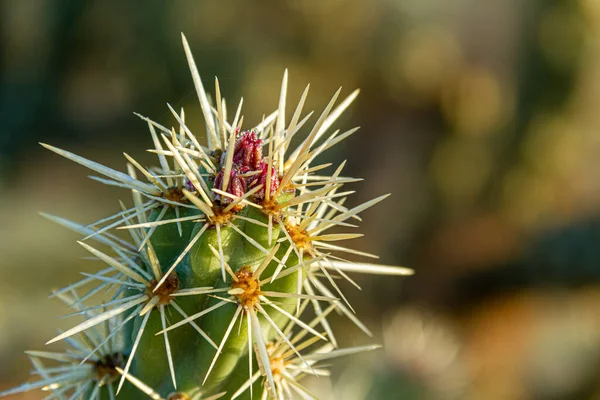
{"x":230,"y":244}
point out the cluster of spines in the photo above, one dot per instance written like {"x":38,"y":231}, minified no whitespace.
{"x":277,"y":208}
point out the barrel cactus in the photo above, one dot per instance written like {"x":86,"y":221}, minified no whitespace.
{"x":227,"y":281}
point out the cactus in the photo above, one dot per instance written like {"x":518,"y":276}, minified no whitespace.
{"x":230,"y":244}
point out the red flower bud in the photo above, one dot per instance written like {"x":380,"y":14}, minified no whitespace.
{"x":236,"y":186}
{"x":261,"y":179}
{"x":247,"y":152}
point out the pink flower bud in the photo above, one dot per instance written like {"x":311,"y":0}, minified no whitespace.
{"x":261,"y":179}
{"x":247,"y":152}
{"x":236,"y":186}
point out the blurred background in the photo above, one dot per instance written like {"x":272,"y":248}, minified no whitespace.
{"x":481,"y":118}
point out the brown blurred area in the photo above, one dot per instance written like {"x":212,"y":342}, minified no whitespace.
{"x":480,"y":117}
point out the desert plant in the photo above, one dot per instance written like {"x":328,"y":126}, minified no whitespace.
{"x":230,"y":244}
